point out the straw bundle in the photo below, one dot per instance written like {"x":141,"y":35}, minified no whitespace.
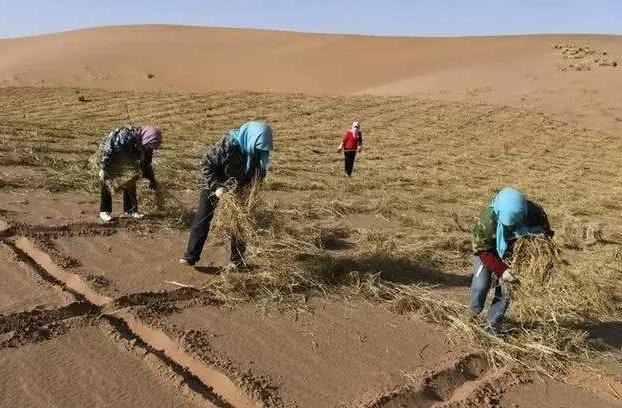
{"x":236,"y":211}
{"x":534,"y":260}
{"x":124,"y":171}
{"x":550,"y":291}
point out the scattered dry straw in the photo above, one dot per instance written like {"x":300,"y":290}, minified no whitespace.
{"x":548,"y":319}
{"x":166,"y":208}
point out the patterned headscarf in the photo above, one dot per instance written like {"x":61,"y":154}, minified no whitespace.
{"x":150,"y":137}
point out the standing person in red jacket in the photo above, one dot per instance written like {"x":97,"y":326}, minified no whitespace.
{"x":352,"y":141}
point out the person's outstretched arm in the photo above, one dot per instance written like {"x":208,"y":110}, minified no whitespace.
{"x":493,"y":263}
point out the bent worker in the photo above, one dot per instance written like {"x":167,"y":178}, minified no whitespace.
{"x":351,"y":142}
{"x":241,"y":155}
{"x":126,"y":155}
{"x":509,"y":217}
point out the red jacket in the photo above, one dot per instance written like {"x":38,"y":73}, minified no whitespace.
{"x":493,"y":263}
{"x":352,"y":140}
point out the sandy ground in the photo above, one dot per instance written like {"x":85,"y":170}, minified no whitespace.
{"x":22,"y":289}
{"x":9,"y":173}
{"x":521,"y":71}
{"x":81,"y":368}
{"x":37,"y":208}
{"x":360,"y":349}
{"x":127,"y":262}
{"x":552,"y":395}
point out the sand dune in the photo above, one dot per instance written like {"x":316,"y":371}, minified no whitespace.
{"x":199,"y":59}
{"x":515,"y":70}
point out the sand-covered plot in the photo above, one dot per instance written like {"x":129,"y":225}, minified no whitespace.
{"x":21,"y":289}
{"x":41,"y":208}
{"x":336,"y":354}
{"x":10,"y":173}
{"x":130,"y":262}
{"x":554,"y":395}
{"x":80,"y":369}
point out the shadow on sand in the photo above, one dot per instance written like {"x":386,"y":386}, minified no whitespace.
{"x":607,"y":334}
{"x":208,"y":270}
{"x":397,"y":269}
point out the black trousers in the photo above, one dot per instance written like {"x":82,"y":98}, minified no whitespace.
{"x":350,"y":155}
{"x":200,"y":230}
{"x":130,"y":200}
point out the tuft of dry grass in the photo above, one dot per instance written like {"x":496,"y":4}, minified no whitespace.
{"x":575,"y":234}
{"x":166,"y":208}
{"x":583,"y":58}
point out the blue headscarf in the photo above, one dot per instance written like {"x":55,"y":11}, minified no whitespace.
{"x":510,"y":207}
{"x":254,"y":137}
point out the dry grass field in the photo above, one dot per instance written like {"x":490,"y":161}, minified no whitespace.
{"x":357,"y":287}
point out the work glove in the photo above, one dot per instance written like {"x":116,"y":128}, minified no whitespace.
{"x":360,"y":149}
{"x":507,"y":282}
{"x":102,"y":175}
{"x":219,"y":192}
{"x":507,"y":277}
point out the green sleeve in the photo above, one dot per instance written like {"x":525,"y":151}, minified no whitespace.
{"x":484,"y":238}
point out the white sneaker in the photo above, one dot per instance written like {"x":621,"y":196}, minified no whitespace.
{"x":133,"y":215}
{"x":105,"y":216}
